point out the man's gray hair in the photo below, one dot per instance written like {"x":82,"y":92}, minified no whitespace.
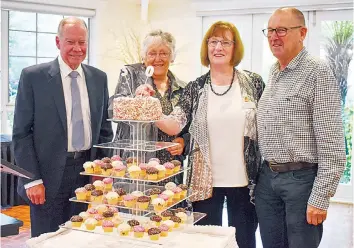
{"x":70,"y":20}
{"x":156,"y":37}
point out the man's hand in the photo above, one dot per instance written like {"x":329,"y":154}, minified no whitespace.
{"x":177,"y":150}
{"x":36,"y":194}
{"x":144,"y":90}
{"x":315,"y":216}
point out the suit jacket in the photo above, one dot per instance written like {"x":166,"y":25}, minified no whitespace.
{"x":40,"y":122}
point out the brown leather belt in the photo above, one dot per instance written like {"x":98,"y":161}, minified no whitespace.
{"x":292,"y":166}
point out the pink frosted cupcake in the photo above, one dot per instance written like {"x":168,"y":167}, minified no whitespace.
{"x":177,"y":193}
{"x":164,"y":197}
{"x":138,"y":231}
{"x":108,"y":182}
{"x":99,"y":219}
{"x":164,"y":230}
{"x":129,"y":201}
{"x":119,"y":169}
{"x":107,"y":226}
{"x":169,"y":168}
{"x":143,"y":168}
{"x":81,"y":194}
{"x":98,"y":164}
{"x":92,"y":212}
{"x":153,"y":163}
{"x":116,"y":158}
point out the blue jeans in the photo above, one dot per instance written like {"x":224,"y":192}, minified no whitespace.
{"x":281,"y":203}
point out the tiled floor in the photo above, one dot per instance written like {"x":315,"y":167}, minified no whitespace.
{"x":338,"y":228}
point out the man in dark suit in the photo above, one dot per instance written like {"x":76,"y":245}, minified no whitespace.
{"x":61,"y":111}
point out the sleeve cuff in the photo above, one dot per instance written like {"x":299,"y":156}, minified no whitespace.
{"x":33,"y":183}
{"x":319,"y":201}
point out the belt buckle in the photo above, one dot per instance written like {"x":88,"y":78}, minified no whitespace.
{"x":77,"y":155}
{"x":270,"y":165}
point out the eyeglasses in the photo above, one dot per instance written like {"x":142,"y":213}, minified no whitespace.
{"x":224,"y":43}
{"x":161,"y":55}
{"x":281,"y":32}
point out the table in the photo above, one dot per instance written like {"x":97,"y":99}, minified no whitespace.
{"x":189,"y":237}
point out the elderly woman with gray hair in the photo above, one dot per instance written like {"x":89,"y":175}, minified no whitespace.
{"x":158,"y":51}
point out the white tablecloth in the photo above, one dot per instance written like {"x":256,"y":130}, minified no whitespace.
{"x":188,"y":237}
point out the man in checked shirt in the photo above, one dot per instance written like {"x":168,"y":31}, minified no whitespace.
{"x":301,"y":139}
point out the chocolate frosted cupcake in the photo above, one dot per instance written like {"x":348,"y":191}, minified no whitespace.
{"x":130,"y":161}
{"x":152,"y":173}
{"x":154,"y":233}
{"x":176,"y":163}
{"x":157,"y":219}
{"x":133,"y":223}
{"x":107,"y":169}
{"x":184,"y":189}
{"x":177,"y":220}
{"x":76,"y":221}
{"x":153,"y":193}
{"x":89,"y":188}
{"x":97,"y":196}
{"x":108,"y":215}
{"x":143,"y":202}
{"x":167,"y":214}
{"x":178,"y":210}
{"x":121,"y":192}
{"x":106,"y":160}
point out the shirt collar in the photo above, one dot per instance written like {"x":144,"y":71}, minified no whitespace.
{"x":65,"y":69}
{"x":293,"y":63}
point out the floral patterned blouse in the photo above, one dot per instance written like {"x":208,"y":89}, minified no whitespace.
{"x":192,"y":111}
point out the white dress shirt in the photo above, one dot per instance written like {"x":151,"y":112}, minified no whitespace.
{"x":226,"y":122}
{"x":65,"y":70}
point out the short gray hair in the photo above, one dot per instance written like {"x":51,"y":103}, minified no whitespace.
{"x":158,"y":36}
{"x":70,"y":20}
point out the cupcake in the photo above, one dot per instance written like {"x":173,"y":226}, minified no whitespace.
{"x":133,"y":223}
{"x":159,"y":204}
{"x":92,"y":212}
{"x":130,"y":161}
{"x":107,"y":169}
{"x":99,"y":219}
{"x":107,"y":215}
{"x":179,"y":210}
{"x":170,"y":195}
{"x":177,"y":165}
{"x":89,"y":188}
{"x":183,"y":216}
{"x":154,"y":233}
{"x":166,"y":215}
{"x":164,"y":230}
{"x":153,"y":163}
{"x":154,"y":159}
{"x":168,"y":223}
{"x":176,"y":220}
{"x":143,"y":202}
{"x":97,"y":169}
{"x":97,"y":196}
{"x":137,"y":193}
{"x":121,"y":192}
{"x":177,"y":193}
{"x":156,"y":219}
{"x":138,"y":231}
{"x":119,"y":169}
{"x":129,"y":201}
{"x":116,"y":158}
{"x":114,"y":210}
{"x":106,"y":160}
{"x":169,"y":168}
{"x":101,"y":208}
{"x":89,"y":167}
{"x":117,"y":220}
{"x":84,"y":215}
{"x":90,"y":224}
{"x":108,"y":182}
{"x":99,"y":185}
{"x":153,"y":193}
{"x":124,"y":229}
{"x":184,"y":189}
{"x":143,"y":168}
{"x":170,"y":186}
{"x":152,"y":173}
{"x":81,"y":194}
{"x":134,"y":171}
{"x":107,"y":226}
{"x":76,"y":221}
{"x":112,"y":198}
{"x":162,"y":171}
{"x":164,"y":197}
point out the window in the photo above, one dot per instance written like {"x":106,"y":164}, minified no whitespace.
{"x":30,"y":40}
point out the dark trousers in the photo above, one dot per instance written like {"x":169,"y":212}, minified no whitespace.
{"x":281,"y":203}
{"x":57,"y":210}
{"x":241,"y":213}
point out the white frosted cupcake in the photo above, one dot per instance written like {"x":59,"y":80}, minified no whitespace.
{"x":137,"y":193}
{"x":124,"y":229}
{"x":134,"y":171}
{"x":162,"y":171}
{"x":170,"y":186}
{"x":84,"y":215}
{"x":112,"y":198}
{"x":90,"y":223}
{"x":89,"y":167}
{"x":159,"y":204}
{"x":182,"y":216}
{"x":168,"y":223}
{"x":99,"y":185}
{"x":153,"y":163}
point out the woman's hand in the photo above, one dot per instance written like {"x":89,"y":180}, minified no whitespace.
{"x":144,"y":90}
{"x":177,"y":150}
